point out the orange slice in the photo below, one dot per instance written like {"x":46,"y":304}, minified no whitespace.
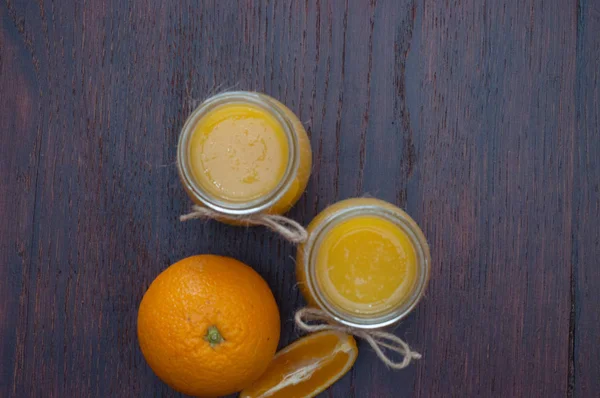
{"x":306,"y":367}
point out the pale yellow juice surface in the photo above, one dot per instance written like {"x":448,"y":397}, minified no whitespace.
{"x":366,"y":265}
{"x":238,"y":152}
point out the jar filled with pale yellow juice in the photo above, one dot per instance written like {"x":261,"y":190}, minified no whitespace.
{"x":366,"y":263}
{"x":242,"y":153}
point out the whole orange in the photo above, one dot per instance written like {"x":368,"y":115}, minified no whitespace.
{"x":208,"y":325}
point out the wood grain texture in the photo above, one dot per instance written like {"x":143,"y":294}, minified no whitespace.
{"x":585,"y":375}
{"x":481,"y":118}
{"x":497,"y":119}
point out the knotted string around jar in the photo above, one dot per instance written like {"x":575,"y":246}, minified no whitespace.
{"x":315,"y":320}
{"x":288,"y":228}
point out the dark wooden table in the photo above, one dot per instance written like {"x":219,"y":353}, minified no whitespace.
{"x":480,"y":117}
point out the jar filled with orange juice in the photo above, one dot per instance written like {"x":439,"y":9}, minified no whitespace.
{"x":365,"y":264}
{"x":242,"y":153}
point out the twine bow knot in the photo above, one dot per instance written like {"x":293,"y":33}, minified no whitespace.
{"x":288,"y":228}
{"x":315,"y":320}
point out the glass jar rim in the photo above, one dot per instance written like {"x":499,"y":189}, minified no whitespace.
{"x":229,"y":207}
{"x":399,"y":218}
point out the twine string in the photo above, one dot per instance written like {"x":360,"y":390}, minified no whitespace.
{"x":315,"y":320}
{"x":286,"y":227}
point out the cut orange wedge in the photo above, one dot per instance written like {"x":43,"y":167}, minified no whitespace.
{"x":306,"y":367}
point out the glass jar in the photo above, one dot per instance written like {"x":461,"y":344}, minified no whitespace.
{"x":366,"y":263}
{"x":242,"y":153}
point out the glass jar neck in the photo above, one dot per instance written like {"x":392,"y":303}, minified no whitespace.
{"x":219,"y":204}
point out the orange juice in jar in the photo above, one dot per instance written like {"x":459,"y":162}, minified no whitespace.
{"x":365,"y":264}
{"x":242,"y":153}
